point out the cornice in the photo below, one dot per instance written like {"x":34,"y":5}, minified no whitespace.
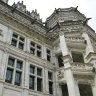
{"x":22,"y":18}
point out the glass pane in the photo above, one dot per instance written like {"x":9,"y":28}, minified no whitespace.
{"x":11,"y":61}
{"x":39,"y":53}
{"x":48,"y":51}
{"x":38,"y":47}
{"x":51,"y":87}
{"x":60,"y":61}
{"x":32,"y":43}
{"x":15,"y":35}
{"x":14,"y":42}
{"x":48,"y":58}
{"x":39,"y":72}
{"x":22,"y":39}
{"x":21,"y":45}
{"x":32,"y":50}
{"x":19,"y":64}
{"x":49,"y":75}
{"x":39,"y":84}
{"x":65,"y":90}
{"x":18,"y":78}
{"x":9,"y":74}
{"x":32,"y":69}
{"x":31,"y":82}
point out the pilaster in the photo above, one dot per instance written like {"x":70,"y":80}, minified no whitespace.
{"x":3,"y":61}
{"x":27,"y":45}
{"x":94,"y":87}
{"x":46,"y":82}
{"x":26,"y":77}
{"x":72,"y":87}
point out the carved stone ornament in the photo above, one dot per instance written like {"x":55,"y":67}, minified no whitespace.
{"x":60,"y":75}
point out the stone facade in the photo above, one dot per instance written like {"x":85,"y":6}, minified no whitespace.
{"x":52,"y":58}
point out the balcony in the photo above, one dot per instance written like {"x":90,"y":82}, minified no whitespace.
{"x":79,"y":42}
{"x":82,"y":68}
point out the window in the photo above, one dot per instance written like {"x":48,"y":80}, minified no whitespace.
{"x":77,"y":57}
{"x":60,"y":61}
{"x":35,"y":49}
{"x":14,"y":66}
{"x":48,"y":55}
{"x":18,"y":41}
{"x":35,"y":76}
{"x":50,"y":79}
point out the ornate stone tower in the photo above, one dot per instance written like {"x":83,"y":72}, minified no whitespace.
{"x":52,"y":58}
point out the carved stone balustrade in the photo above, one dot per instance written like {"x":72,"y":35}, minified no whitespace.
{"x":81,"y":68}
{"x":78,"y":42}
{"x":75,"y":39}
{"x":78,"y":69}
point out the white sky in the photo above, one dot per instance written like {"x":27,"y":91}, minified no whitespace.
{"x":46,"y":7}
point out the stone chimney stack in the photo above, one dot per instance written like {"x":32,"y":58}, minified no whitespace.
{"x":6,"y":1}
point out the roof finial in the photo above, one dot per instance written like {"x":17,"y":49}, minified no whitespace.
{"x":75,"y":9}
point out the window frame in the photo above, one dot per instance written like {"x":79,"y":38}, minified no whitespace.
{"x":15,"y":69}
{"x":18,"y":41}
{"x":36,"y":48}
{"x":36,"y":77}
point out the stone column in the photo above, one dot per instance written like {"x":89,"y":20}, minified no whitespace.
{"x":94,"y":87}
{"x":72,"y":88}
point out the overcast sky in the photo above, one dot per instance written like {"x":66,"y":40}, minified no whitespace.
{"x":46,"y":7}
